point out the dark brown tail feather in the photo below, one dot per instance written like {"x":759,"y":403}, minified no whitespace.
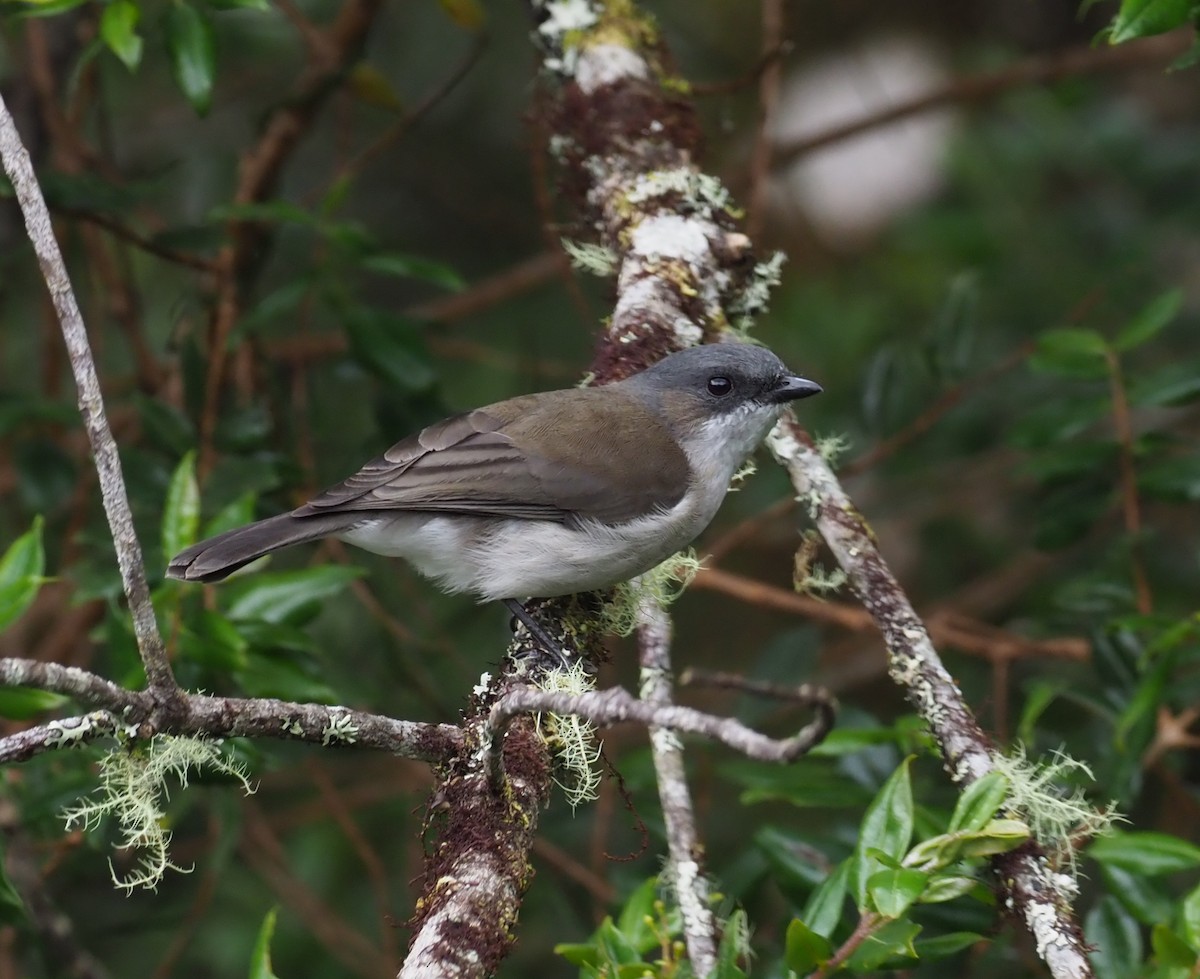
{"x":220,"y":556}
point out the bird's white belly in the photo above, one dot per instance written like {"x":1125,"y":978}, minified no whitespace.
{"x":494,"y":558}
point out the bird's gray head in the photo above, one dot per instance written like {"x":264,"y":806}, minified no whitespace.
{"x":722,"y":398}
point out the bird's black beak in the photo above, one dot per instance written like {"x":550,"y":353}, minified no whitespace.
{"x":792,"y":388}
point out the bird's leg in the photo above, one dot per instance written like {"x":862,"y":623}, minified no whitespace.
{"x":543,"y":638}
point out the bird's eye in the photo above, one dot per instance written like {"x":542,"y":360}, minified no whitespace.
{"x":719,"y":386}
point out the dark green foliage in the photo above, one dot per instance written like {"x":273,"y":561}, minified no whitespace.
{"x":994,"y":340}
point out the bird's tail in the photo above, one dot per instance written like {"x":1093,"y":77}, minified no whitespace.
{"x":220,"y":556}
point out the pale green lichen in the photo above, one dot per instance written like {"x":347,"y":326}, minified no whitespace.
{"x":1058,"y":816}
{"x":339,"y":729}
{"x":596,"y":259}
{"x":134,"y":789}
{"x":662,"y":585}
{"x":832,"y":447}
{"x":572,"y":738}
{"x":749,"y":468}
{"x":755,"y":294}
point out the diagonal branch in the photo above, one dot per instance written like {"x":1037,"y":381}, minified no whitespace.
{"x":916,"y":668}
{"x":91,"y":406}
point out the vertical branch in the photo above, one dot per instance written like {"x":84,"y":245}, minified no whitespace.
{"x":690,"y":885}
{"x":91,"y":406}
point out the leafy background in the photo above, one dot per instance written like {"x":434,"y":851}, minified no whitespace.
{"x":987,"y":336}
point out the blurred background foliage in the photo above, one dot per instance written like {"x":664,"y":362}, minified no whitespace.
{"x":1000,"y":297}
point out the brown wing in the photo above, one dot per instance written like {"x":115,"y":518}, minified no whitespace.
{"x":512,"y":460}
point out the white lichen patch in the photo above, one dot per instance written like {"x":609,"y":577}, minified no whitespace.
{"x":133,"y":790}
{"x":696,"y":192}
{"x":672,"y":236}
{"x":598,"y":65}
{"x":566,"y":15}
{"x":73,"y":730}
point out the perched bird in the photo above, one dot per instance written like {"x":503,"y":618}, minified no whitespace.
{"x":545,"y":494}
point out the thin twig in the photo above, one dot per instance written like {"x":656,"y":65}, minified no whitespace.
{"x":1040,"y":69}
{"x":91,"y":406}
{"x":615,"y":705}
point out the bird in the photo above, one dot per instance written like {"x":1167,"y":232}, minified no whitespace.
{"x":546,"y":494}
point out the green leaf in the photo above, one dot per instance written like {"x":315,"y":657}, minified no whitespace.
{"x":1145,"y":852}
{"x":890,"y":946}
{"x":824,"y":908}
{"x":467,"y":14}
{"x":21,"y":703}
{"x":1169,"y":949}
{"x":391,"y":347}
{"x":1176,"y":480}
{"x":955,"y":326}
{"x":1116,"y":939}
{"x":810,"y":782}
{"x":979,"y":802}
{"x":413,"y":267}
{"x":276,"y":211}
{"x":1189,"y":914}
{"x":1175,"y":385}
{"x":892,"y":892}
{"x":260,"y":958}
{"x":1072,"y":352}
{"x":238,"y":4}
{"x":1158,"y":314}
{"x":1145,"y":898}
{"x":12,"y":908}
{"x":792,"y":866}
{"x":285,"y":678}
{"x":277,"y":596}
{"x":118,"y":26}
{"x":21,"y":573}
{"x":235,"y":514}
{"x":45,"y":8}
{"x":214,"y":642}
{"x":887,"y":827}
{"x":943,"y":946}
{"x":614,"y":948}
{"x":181,"y":511}
{"x":805,"y":950}
{"x":735,"y":943}
{"x":192,"y":51}
{"x":947,"y":887}
{"x":633,"y":923}
{"x":997,"y":836}
{"x":1142,"y":18}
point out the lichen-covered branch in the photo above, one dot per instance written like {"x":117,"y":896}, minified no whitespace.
{"x":474,"y":879}
{"x":91,"y":406}
{"x":616,"y":705}
{"x":689,"y":878}
{"x":915,"y":666}
{"x":135,"y":715}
